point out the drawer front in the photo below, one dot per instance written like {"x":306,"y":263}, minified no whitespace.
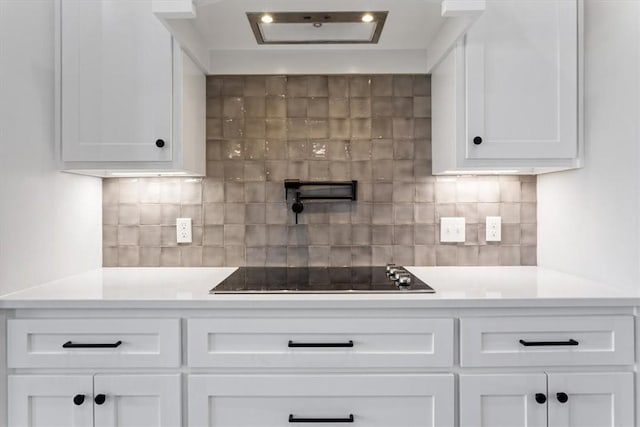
{"x":547,"y":341}
{"x":93,"y":343}
{"x":306,"y":342}
{"x":359,"y":400}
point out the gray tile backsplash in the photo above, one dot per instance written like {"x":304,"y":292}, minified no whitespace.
{"x":264,"y":129}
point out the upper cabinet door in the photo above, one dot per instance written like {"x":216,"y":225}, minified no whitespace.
{"x":116,"y":84}
{"x":591,"y":399}
{"x":522,"y":81}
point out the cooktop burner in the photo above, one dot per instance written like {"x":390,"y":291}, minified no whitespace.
{"x":321,"y":280}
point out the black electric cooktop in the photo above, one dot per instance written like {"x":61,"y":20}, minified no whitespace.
{"x":319,"y":280}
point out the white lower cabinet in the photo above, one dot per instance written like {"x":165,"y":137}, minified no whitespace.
{"x":50,"y":400}
{"x":326,"y":368}
{"x":415,"y":400}
{"x":591,"y":399}
{"x":541,"y":400}
{"x":94,"y":400}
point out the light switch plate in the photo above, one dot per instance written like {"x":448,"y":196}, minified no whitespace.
{"x":494,"y":229}
{"x":452,"y":229}
{"x":183,"y":230}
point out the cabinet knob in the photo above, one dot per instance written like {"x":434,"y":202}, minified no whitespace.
{"x":541,"y":398}
{"x":562,"y":397}
{"x":160,"y":143}
{"x":100,"y":399}
{"x":477,"y":140}
{"x":78,"y":399}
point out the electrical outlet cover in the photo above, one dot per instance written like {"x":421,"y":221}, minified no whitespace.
{"x":183,"y":230}
{"x":452,"y":229}
{"x":494,"y":229}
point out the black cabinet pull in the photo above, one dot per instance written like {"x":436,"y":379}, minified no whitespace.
{"x":547,"y":343}
{"x":477,"y":140}
{"x":70,"y":344}
{"x":541,"y":398}
{"x":160,"y":143}
{"x":562,"y":397}
{"x":320,"y":344}
{"x":293,"y":419}
{"x":100,"y":399}
{"x":78,"y":399}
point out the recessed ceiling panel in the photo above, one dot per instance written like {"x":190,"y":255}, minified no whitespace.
{"x":317,"y":27}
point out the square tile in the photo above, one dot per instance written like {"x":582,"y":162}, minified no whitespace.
{"x":318,"y":86}
{"x":338,"y":108}
{"x":359,"y":86}
{"x":213,"y":256}
{"x":234,"y":234}
{"x":276,"y":85}
{"x":338,"y":86}
{"x":234,"y":213}
{"x":256,"y":235}
{"x":402,"y":85}
{"x":382,"y":85}
{"x":255,"y":86}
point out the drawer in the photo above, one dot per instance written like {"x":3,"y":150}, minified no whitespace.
{"x":547,"y":341}
{"x":414,"y":400}
{"x":316,"y":342}
{"x":93,"y":343}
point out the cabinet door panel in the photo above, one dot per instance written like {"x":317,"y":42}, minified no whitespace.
{"x":138,"y":400}
{"x":502,"y":400}
{"x":48,"y":401}
{"x":593,"y":400}
{"x":116,"y":60}
{"x":521,"y":74}
{"x":372,"y":400}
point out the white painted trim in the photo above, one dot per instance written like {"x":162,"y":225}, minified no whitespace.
{"x":461,"y":14}
{"x":357,"y":61}
{"x":453,"y":8}
{"x":174,"y":9}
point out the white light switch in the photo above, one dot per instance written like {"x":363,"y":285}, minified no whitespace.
{"x":452,"y":229}
{"x":183,"y":230}
{"x":494,"y":229}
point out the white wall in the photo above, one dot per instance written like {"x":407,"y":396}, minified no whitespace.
{"x":589,"y":219}
{"x":50,"y":222}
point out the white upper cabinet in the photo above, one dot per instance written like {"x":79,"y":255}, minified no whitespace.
{"x":507,"y":97}
{"x":123,"y":86}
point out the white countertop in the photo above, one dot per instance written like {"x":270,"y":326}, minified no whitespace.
{"x":189,"y":288}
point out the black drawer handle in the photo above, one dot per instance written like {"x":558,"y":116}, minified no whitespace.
{"x":547,"y":343}
{"x":78,"y":399}
{"x":293,"y":419}
{"x":100,"y":399}
{"x":320,"y":344}
{"x":562,"y":397}
{"x":159,"y":143}
{"x":70,"y":344}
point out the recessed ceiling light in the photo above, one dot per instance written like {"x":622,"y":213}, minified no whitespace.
{"x":327,"y":27}
{"x":367,"y":18}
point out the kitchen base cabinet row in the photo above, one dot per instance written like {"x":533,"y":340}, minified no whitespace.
{"x":375,"y":369}
{"x":403,"y":400}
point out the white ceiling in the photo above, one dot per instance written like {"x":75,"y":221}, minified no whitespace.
{"x":410,"y":25}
